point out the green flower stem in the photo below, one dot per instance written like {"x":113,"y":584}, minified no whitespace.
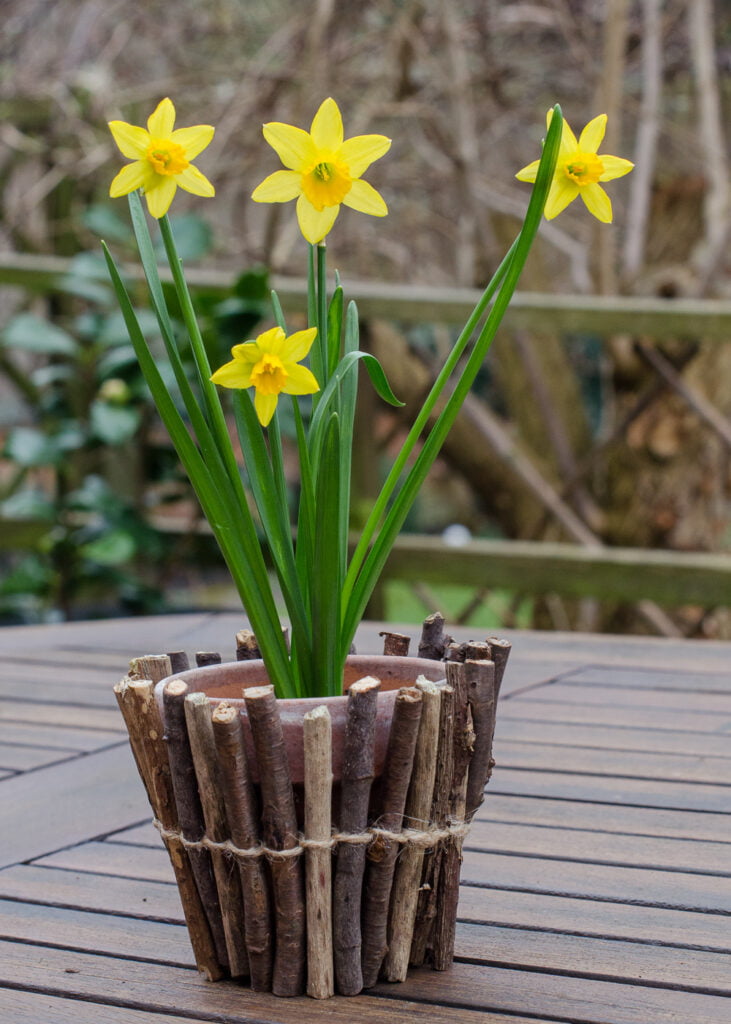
{"x":234,"y":532}
{"x":322,"y":319}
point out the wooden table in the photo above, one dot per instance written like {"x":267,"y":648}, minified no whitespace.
{"x":595,"y":879}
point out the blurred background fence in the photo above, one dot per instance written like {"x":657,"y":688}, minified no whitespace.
{"x":587,"y":481}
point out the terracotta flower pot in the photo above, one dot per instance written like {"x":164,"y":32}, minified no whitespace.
{"x":227,"y":681}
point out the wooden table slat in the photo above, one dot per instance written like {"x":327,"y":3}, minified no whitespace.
{"x":596,"y":885}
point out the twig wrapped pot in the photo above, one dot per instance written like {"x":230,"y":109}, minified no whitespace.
{"x":324,"y":835}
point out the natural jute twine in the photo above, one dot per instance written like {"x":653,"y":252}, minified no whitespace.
{"x":421,"y":838}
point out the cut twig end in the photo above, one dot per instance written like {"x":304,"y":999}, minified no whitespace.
{"x":364,"y":685}
{"x":176,"y":688}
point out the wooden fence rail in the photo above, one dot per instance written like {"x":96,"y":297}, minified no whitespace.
{"x":601,"y":315}
{"x":669,"y":578}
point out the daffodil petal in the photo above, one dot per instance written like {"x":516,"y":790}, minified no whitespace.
{"x":129,"y":178}
{"x":293,"y":146}
{"x":597,"y":202}
{"x":360,"y":152}
{"x":591,"y":138}
{"x":160,"y":196}
{"x":327,"y":126}
{"x":315,"y":224}
{"x":132,"y":141}
{"x":529,"y":172}
{"x":561,"y":193}
{"x":247,"y":351}
{"x":265,"y":406}
{"x":364,"y":198}
{"x":279,"y":187}
{"x":300,"y":380}
{"x":271,"y":341}
{"x":193,"y":140}
{"x":614,"y":167}
{"x":236,"y":374}
{"x":298,"y":345}
{"x":161,"y":121}
{"x":193,"y":181}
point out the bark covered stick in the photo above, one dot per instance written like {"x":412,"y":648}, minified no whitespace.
{"x":433,"y":641}
{"x":151,"y":666}
{"x":482,"y":697}
{"x":200,"y":733}
{"x":382,"y":852}
{"x":243,"y":823}
{"x":279,"y":833}
{"x":499,"y":653}
{"x":178,"y":661}
{"x":357,"y":778}
{"x":427,"y":908}
{"x":405,"y":892}
{"x":151,"y":759}
{"x":190,"y":811}
{"x":448,"y":882}
{"x":247,"y":648}
{"x":203,"y":658}
{"x":395,"y":644}
{"x":318,"y":859}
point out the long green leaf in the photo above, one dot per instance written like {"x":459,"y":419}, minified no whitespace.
{"x":236,"y":538}
{"x":360,"y":581}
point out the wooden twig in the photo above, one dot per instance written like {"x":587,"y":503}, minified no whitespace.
{"x":382,"y":852}
{"x":318,"y":860}
{"x":357,"y":777}
{"x":203,"y":658}
{"x":145,"y":733}
{"x":202,"y":745}
{"x":151,"y":666}
{"x":395,"y":644}
{"x":279,"y":833}
{"x":405,"y":893}
{"x":189,"y":810}
{"x":433,"y":640}
{"x":448,"y":883}
{"x":178,"y":661}
{"x":427,"y":907}
{"x":482,"y":697}
{"x":243,"y":823}
{"x":499,"y":653}
{"x":247,"y":648}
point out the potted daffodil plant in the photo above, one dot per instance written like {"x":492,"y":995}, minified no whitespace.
{"x":324,"y":578}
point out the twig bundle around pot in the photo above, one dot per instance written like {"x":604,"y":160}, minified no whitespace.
{"x":295,"y":880}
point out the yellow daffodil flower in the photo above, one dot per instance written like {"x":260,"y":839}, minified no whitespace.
{"x":161,"y":158}
{"x":579,"y":169}
{"x":323,"y":171}
{"x":270,"y":364}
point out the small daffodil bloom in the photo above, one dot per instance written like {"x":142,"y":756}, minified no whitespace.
{"x":162,"y":156}
{"x":323,"y":171}
{"x":579,"y":169}
{"x":271,"y":366}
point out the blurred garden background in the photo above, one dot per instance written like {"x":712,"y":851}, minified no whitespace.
{"x":587,"y":484}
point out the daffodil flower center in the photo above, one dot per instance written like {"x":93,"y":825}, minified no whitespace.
{"x":166,"y":157}
{"x":268,"y":375}
{"x":584,"y":168}
{"x":326,"y":182}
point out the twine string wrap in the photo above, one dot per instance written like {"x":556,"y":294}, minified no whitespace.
{"x":424,"y":838}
